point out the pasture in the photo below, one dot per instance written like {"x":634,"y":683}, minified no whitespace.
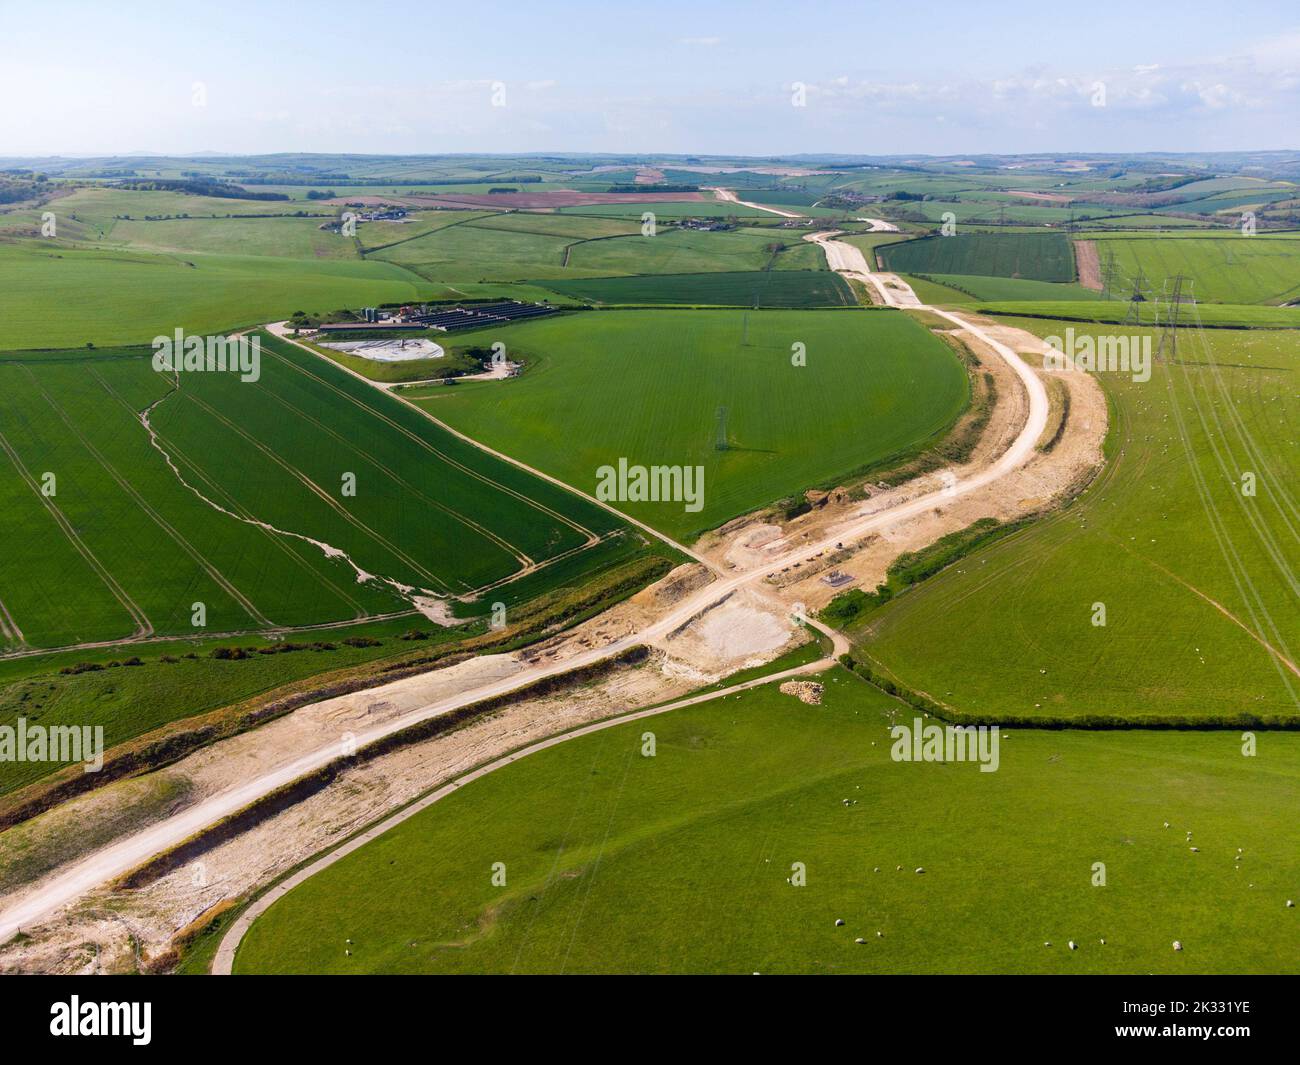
{"x":1227,"y":268}
{"x":1211,"y":315}
{"x":1197,"y":579}
{"x":650,"y":386}
{"x":682,"y":863}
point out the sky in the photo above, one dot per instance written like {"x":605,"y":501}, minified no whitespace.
{"x":708,"y":76}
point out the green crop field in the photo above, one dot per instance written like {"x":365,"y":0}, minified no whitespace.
{"x":681,"y":863}
{"x":649,"y":385}
{"x":1034,"y":256}
{"x":1198,"y":579}
{"x":756,"y":288}
{"x":126,"y":544}
{"x":1229,"y":268}
{"x":963,"y":288}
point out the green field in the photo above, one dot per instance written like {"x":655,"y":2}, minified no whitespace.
{"x":1223,"y":269}
{"x":1034,"y":256}
{"x":513,"y":247}
{"x":684,"y":251}
{"x":943,"y":288}
{"x":125,"y":546}
{"x":775,"y":289}
{"x":616,"y":863}
{"x":128,"y":297}
{"x":1212,"y":315}
{"x":648,"y":385}
{"x":1195,"y":576}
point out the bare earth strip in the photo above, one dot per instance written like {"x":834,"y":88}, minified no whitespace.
{"x":9,"y":628}
{"x":1089,"y":264}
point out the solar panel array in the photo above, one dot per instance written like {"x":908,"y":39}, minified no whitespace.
{"x":484,"y":314}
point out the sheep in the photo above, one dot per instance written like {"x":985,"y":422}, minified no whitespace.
{"x":1073,"y":945}
{"x":1178,"y":945}
{"x":839,"y":922}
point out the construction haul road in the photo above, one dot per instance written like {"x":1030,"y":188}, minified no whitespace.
{"x":119,"y":858}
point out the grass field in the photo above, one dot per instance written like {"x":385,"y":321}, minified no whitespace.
{"x":616,"y":863}
{"x":1213,"y":315}
{"x":1195,"y":576}
{"x":779,"y":289}
{"x":124,"y":546}
{"x":1223,"y":269}
{"x":128,"y":297}
{"x":684,"y":251}
{"x":1034,"y":256}
{"x":648,"y":385}
{"x":517,"y":246}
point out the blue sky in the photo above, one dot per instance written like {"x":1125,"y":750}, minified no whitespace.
{"x":706,"y":76}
